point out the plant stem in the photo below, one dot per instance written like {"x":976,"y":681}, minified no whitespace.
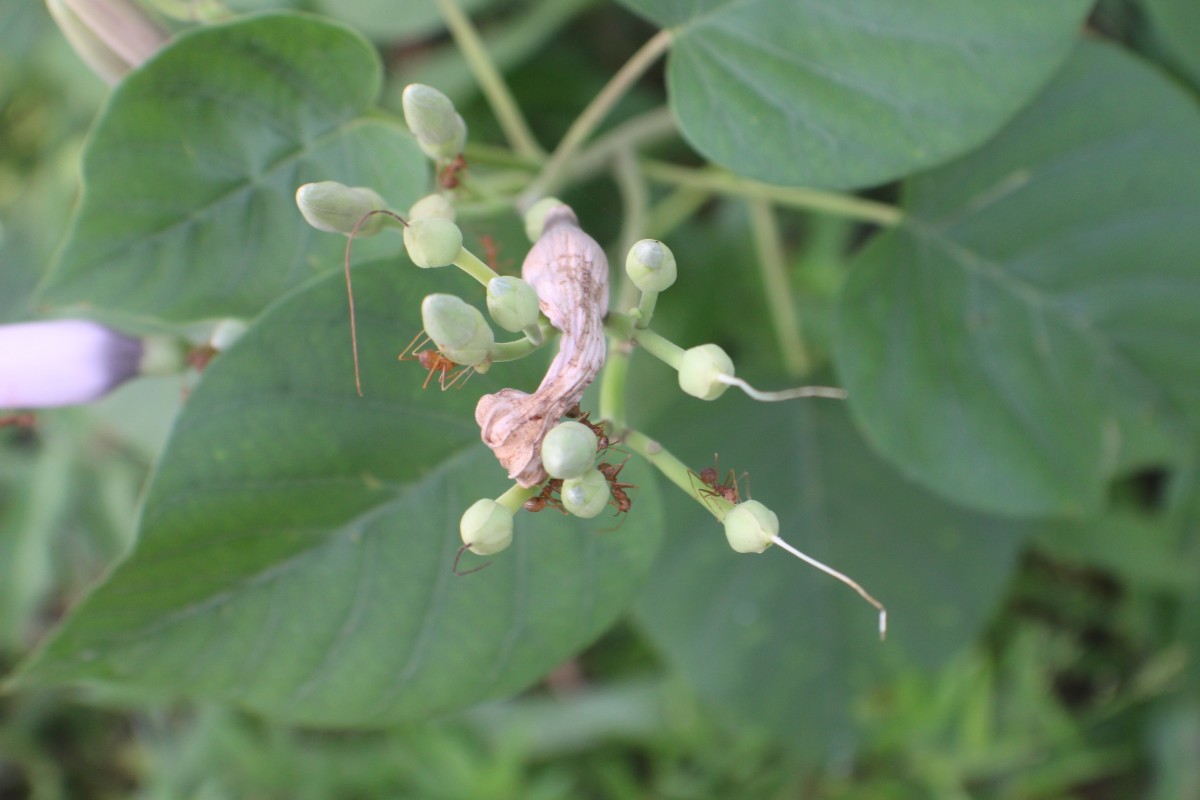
{"x":593,"y":115}
{"x":515,"y":497}
{"x":660,"y":347}
{"x":469,"y":263}
{"x":507,"y":112}
{"x":633,"y":134}
{"x":519,"y":348}
{"x":613,"y":380}
{"x":635,"y":200}
{"x":843,"y":205}
{"x":675,"y":470}
{"x":773,"y":267}
{"x":669,"y":213}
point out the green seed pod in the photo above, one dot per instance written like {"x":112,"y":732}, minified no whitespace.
{"x":434,"y":205}
{"x":587,"y":495}
{"x":535,"y":217}
{"x":430,"y":115}
{"x":568,"y":450}
{"x":458,"y":329}
{"x":699,"y":370}
{"x":750,"y":527}
{"x":512,"y":302}
{"x":336,"y":208}
{"x":432,"y":241}
{"x":651,"y":266}
{"x":486,"y":527}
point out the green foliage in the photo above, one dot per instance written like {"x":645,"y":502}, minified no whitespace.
{"x":1017,"y":336}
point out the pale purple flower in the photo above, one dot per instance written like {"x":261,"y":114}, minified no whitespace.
{"x":63,"y":362}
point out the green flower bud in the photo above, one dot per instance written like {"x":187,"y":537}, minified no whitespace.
{"x":699,"y":370}
{"x":458,"y":329}
{"x":486,"y":527}
{"x":569,"y":450}
{"x":512,"y":302}
{"x":432,"y":241}
{"x":434,"y":205}
{"x":430,"y":115}
{"x":651,"y":266}
{"x":225,"y":333}
{"x":336,"y":208}
{"x":587,"y":495}
{"x":750,"y":527}
{"x":535,"y":217}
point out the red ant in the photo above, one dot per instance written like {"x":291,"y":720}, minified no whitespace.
{"x":448,"y":178}
{"x":620,"y":499}
{"x":602,"y":441}
{"x":434,"y":361}
{"x":547,"y":497}
{"x":18,"y":421}
{"x":709,"y":477}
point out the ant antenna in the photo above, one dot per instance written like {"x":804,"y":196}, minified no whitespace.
{"x":350,"y":290}
{"x":844,"y":579}
{"x":458,"y":555}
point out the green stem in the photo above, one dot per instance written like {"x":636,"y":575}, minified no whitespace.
{"x":660,"y":347}
{"x":597,"y":110}
{"x":773,"y":267}
{"x":515,"y":497}
{"x":645,"y":309}
{"x":712,"y":180}
{"x":613,"y":380}
{"x":469,"y":263}
{"x":508,"y":113}
{"x":675,"y":471}
{"x":646,"y":128}
{"x":669,"y":213}
{"x":519,"y":348}
{"x":635,"y":200}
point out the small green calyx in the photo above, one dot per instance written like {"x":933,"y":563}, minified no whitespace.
{"x":651,"y":266}
{"x":434,"y":205}
{"x":568,"y":450}
{"x":587,"y":495}
{"x":512,"y":302}
{"x":432,"y":242}
{"x":535,"y":217}
{"x":750,"y":527}
{"x":336,"y":208}
{"x":700,"y":370}
{"x":458,"y":329}
{"x":440,"y":130}
{"x":486,"y":527}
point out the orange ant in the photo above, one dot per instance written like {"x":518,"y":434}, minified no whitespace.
{"x":491,"y":252}
{"x":709,"y":477}
{"x":620,"y":499}
{"x":602,"y":441}
{"x":18,"y":421}
{"x":546,"y":497}
{"x":434,"y":361}
{"x":448,"y":178}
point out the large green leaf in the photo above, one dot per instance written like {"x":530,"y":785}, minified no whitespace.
{"x":1179,"y":23}
{"x":782,"y":645}
{"x":839,"y":93}
{"x":190,"y":173}
{"x":1011,"y":345}
{"x":295,"y":548}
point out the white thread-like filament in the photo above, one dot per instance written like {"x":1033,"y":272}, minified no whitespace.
{"x":830,"y":392}
{"x":844,"y":579}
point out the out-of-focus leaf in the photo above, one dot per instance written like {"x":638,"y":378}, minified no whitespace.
{"x":1032,"y":328}
{"x":294,"y":553}
{"x":841,"y":94}
{"x":190,"y":174}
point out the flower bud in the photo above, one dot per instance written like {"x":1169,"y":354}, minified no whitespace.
{"x":587,"y":495}
{"x":651,"y":266}
{"x":440,"y":130}
{"x":63,"y":362}
{"x":111,"y":37}
{"x":486,"y":527}
{"x":225,"y":333}
{"x":750,"y":527}
{"x":432,"y":241}
{"x":512,"y":302}
{"x":458,"y":329}
{"x":568,"y":450}
{"x":699,"y":370}
{"x":535,"y":217}
{"x":433,"y":205}
{"x":336,"y":208}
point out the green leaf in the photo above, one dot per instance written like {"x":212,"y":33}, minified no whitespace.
{"x":1178,"y":21}
{"x":827,"y":93}
{"x":295,"y":549}
{"x":188,"y":208}
{"x":383,"y":21}
{"x":777,"y":643}
{"x":1038,"y":311}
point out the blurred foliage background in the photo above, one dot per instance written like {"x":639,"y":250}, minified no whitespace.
{"x":1083,"y":686}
